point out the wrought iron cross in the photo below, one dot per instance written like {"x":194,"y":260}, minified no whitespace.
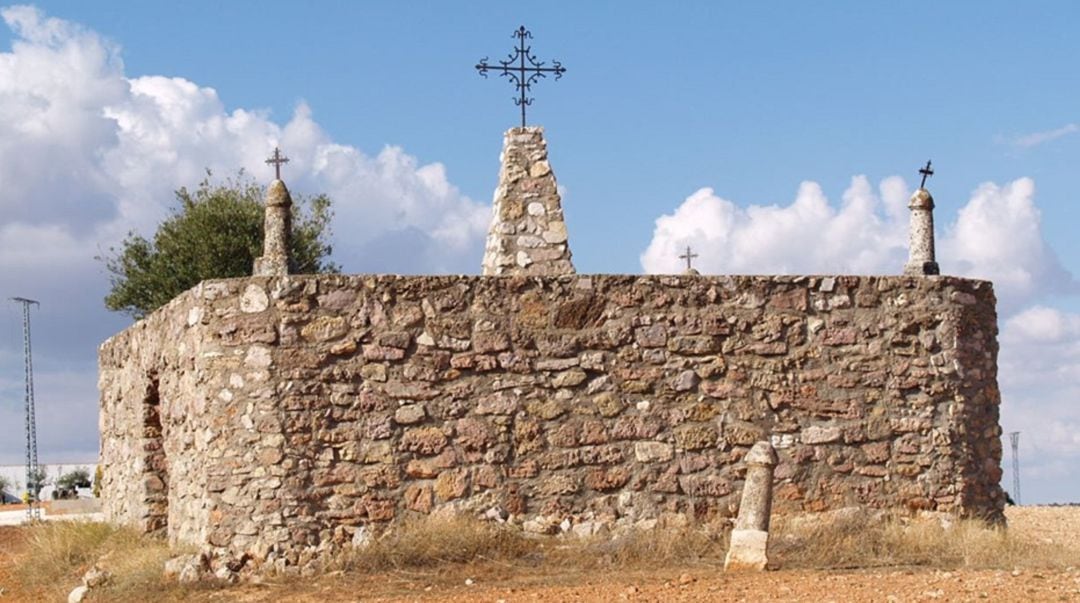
{"x":277,"y":159}
{"x":523,"y":76}
{"x":926,"y":171}
{"x":688,"y":256}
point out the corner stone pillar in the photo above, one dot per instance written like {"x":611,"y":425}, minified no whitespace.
{"x":921,"y":260}
{"x":277,"y":229}
{"x":528,"y":232}
{"x":750,"y":538}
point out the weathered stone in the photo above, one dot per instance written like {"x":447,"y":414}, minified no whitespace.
{"x":921,"y":259}
{"x":569,"y":378}
{"x":685,"y":381}
{"x":325,"y":328}
{"x":425,"y":440}
{"x":373,"y":372}
{"x":546,"y":409}
{"x":254,"y":299}
{"x":418,"y":497}
{"x":452,"y":484}
{"x":750,"y":537}
{"x":820,"y":435}
{"x":648,"y":452}
{"x":526,"y":199}
{"x":410,"y":414}
{"x":693,"y":436}
{"x":474,"y":434}
{"x":653,"y":336}
{"x":693,"y":345}
{"x":277,"y":231}
{"x":609,"y":404}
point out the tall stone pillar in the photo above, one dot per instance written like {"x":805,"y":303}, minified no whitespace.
{"x":277,"y":229}
{"x":528,"y":232}
{"x":921,"y":260}
{"x":750,"y":537}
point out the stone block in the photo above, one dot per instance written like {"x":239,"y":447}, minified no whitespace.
{"x":748,"y":550}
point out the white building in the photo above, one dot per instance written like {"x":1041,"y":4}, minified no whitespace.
{"x":16,"y":476}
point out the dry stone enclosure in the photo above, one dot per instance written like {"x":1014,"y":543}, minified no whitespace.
{"x":275,"y":419}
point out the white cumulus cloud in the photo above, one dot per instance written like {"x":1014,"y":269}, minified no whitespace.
{"x":997,"y":235}
{"x":89,"y":153}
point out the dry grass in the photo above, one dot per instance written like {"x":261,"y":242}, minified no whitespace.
{"x":434,"y":541}
{"x":863,"y":540}
{"x":437,"y":541}
{"x":54,"y":555}
{"x":57,"y":553}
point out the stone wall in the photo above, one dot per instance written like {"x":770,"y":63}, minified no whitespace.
{"x":296,"y":409}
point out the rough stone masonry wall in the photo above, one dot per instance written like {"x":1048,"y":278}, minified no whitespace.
{"x":301,"y":408}
{"x":153,"y":404}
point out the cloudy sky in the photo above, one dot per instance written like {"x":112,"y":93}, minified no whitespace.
{"x":775,"y":139}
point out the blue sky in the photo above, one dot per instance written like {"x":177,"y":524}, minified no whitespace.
{"x":774,"y":137}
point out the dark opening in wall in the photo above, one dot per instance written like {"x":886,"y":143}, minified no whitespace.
{"x":155,"y":473}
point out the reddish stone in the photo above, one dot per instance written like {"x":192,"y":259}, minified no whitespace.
{"x":378,"y":509}
{"x":515,"y":504}
{"x":794,"y":299}
{"x":473,"y":434}
{"x":593,"y":432}
{"x":634,"y":427}
{"x":423,"y":469}
{"x":525,"y":470}
{"x":418,"y":498}
{"x":845,"y":336}
{"x":606,"y":479}
{"x":425,"y":440}
{"x":490,"y":341}
{"x":485,"y":476}
{"x":565,"y":436}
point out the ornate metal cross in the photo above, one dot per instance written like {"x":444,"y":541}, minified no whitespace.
{"x":523,"y":76}
{"x":926,"y":171}
{"x":688,"y":256}
{"x":277,"y":159}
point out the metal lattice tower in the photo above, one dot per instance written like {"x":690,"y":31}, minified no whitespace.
{"x":1014,"y":440}
{"x":33,"y":509}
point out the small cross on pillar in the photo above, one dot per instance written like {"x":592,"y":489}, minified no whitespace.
{"x":926,"y":172}
{"x":921,"y":259}
{"x":277,"y":159}
{"x":689,"y":257}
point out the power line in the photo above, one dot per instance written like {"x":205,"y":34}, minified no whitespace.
{"x":33,"y":476}
{"x":1014,"y":439}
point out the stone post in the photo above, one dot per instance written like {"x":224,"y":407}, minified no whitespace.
{"x":750,"y":538}
{"x":528,"y":232}
{"x":277,"y":229}
{"x":921,"y":247}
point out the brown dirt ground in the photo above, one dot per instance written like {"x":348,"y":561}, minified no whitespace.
{"x":493,"y":583}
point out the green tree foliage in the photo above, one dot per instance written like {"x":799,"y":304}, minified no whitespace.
{"x":67,"y":483}
{"x":215,"y":232}
{"x":35,"y":482}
